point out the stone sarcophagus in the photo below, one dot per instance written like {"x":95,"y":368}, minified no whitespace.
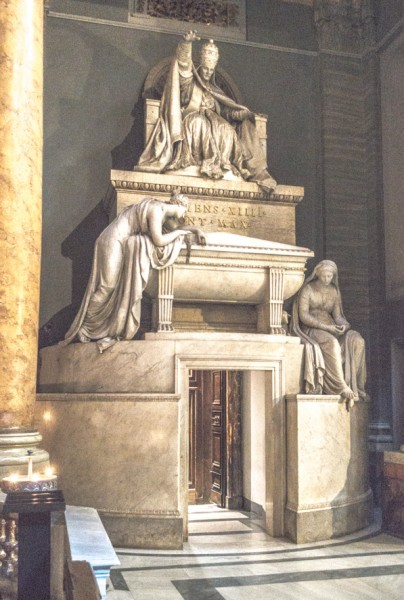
{"x":230,"y":270}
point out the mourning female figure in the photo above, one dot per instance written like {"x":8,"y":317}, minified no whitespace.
{"x":334,"y":353}
{"x":143,"y":236}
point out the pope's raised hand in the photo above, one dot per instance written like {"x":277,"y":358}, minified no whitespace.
{"x":191,"y":36}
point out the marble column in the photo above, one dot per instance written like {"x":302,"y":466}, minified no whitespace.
{"x":21,"y":76}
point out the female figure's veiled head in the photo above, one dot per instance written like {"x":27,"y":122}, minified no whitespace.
{"x":327,"y":272}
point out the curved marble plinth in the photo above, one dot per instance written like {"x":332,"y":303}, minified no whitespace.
{"x":328,"y":486}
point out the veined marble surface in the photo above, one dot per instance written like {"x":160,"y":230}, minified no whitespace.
{"x":328,"y":483}
{"x":228,"y":556}
{"x":21,"y":75}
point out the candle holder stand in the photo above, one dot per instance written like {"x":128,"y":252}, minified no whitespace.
{"x":34,"y":510}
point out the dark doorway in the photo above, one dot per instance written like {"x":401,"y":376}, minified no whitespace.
{"x":215,"y":458}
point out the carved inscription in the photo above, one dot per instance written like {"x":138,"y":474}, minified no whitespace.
{"x":218,"y":217}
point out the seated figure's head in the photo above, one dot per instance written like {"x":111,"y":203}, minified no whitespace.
{"x":209,"y":57}
{"x":327,"y":272}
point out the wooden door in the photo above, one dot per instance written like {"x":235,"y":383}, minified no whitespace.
{"x":215,"y":473}
{"x":218,"y":416}
{"x":200,"y":400}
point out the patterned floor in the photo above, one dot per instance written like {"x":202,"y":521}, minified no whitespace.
{"x":230,"y":557}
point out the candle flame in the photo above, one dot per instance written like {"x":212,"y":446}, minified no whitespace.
{"x":49,"y":471}
{"x":14,"y":477}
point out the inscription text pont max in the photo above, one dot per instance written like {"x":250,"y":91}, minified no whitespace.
{"x":223,"y":217}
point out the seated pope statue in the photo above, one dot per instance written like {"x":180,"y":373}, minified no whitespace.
{"x":200,"y":126}
{"x":144,"y":236}
{"x":334,"y":353}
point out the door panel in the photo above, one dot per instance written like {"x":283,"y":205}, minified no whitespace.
{"x":234,"y":463}
{"x":218,"y":468}
{"x":200,"y":452}
{"x":215,"y":438}
{"x":194,"y":392}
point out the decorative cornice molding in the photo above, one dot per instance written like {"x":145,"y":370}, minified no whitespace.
{"x":217,"y":194}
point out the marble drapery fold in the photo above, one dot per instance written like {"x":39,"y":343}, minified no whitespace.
{"x":123,"y":256}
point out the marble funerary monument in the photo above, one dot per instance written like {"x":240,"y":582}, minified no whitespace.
{"x":191,"y":275}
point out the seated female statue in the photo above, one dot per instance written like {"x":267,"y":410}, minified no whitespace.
{"x":334,"y":353}
{"x":143,"y":236}
{"x":200,"y":126}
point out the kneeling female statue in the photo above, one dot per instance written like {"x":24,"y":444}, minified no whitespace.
{"x":334,"y":353}
{"x":143,"y":236}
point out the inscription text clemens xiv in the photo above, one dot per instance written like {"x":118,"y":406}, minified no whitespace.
{"x":223,"y":217}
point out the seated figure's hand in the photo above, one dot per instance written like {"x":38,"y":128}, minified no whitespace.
{"x":245,"y":115}
{"x":250,"y":116}
{"x":335,"y":329}
{"x":191,"y":36}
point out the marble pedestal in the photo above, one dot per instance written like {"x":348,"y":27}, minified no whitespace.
{"x":327,"y":457}
{"x":117,"y":425}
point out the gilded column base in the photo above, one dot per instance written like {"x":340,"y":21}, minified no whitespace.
{"x":14,"y":445}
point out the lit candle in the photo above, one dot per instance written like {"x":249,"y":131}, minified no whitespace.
{"x":30,"y":459}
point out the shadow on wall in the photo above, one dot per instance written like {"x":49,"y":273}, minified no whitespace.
{"x":79,"y":247}
{"x":126,"y":155}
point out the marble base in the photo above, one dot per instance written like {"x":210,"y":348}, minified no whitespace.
{"x":117,"y":425}
{"x":328,"y":486}
{"x":317,"y":524}
{"x":118,"y":455}
{"x":131,"y":531}
{"x":148,"y":365}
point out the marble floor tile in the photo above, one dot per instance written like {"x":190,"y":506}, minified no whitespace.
{"x":229,"y":557}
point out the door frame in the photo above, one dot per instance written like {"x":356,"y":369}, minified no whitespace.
{"x":275,"y":429}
